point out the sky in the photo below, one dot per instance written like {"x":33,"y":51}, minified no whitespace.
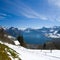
{"x":29,"y":13}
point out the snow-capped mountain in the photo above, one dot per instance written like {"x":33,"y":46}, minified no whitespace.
{"x":42,"y":30}
{"x":55,"y":34}
{"x":37,"y":36}
{"x":42,"y":34}
{"x":13,"y":31}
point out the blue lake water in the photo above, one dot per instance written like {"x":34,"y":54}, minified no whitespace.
{"x":36,"y":40}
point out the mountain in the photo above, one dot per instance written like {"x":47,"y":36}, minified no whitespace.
{"x":13,"y":31}
{"x":32,"y":37}
{"x":58,"y":32}
{"x":35,"y":36}
{"x":4,"y":37}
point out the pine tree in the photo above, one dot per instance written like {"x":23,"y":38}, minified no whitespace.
{"x":1,"y":32}
{"x":21,"y":40}
{"x":44,"y":46}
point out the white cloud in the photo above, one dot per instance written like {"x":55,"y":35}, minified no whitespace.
{"x":43,"y":17}
{"x":55,"y":2}
{"x":58,"y":19}
{"x":18,"y":8}
{"x":55,"y":10}
{"x":30,"y":13}
{"x":3,"y":16}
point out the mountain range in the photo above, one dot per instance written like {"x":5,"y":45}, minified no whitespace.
{"x":35,"y":36}
{"x":15,"y":31}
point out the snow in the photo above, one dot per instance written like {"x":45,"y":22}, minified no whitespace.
{"x":55,"y":32}
{"x":53,"y":35}
{"x":27,"y":31}
{"x":58,"y":35}
{"x":51,"y":30}
{"x":31,"y":54}
{"x":11,"y":37}
{"x":11,"y":57}
{"x":16,"y":42}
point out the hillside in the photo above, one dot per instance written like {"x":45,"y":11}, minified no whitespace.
{"x":17,"y":52}
{"x":7,"y":53}
{"x":35,"y":54}
{"x":5,"y":37}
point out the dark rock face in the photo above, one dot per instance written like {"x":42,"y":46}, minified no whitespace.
{"x":4,"y":37}
{"x":58,"y":32}
{"x":13,"y":31}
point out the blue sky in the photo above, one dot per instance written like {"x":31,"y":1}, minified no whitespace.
{"x":29,"y":13}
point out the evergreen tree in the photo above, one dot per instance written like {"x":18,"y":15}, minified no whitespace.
{"x":44,"y":46}
{"x":1,"y":32}
{"x":21,"y":40}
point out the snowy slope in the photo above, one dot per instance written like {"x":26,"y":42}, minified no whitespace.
{"x":30,"y":54}
{"x":7,"y":53}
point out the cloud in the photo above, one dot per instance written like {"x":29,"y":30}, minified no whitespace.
{"x":54,"y":9}
{"x":55,"y":2}
{"x":18,"y":8}
{"x":58,"y":19}
{"x":30,"y":13}
{"x":3,"y":16}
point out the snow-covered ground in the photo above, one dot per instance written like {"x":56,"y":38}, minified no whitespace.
{"x":30,"y":54}
{"x":51,"y":35}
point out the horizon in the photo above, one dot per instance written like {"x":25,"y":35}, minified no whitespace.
{"x":29,"y":14}
{"x":28,"y":27}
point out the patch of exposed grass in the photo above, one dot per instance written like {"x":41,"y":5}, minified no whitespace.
{"x":4,"y":50}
